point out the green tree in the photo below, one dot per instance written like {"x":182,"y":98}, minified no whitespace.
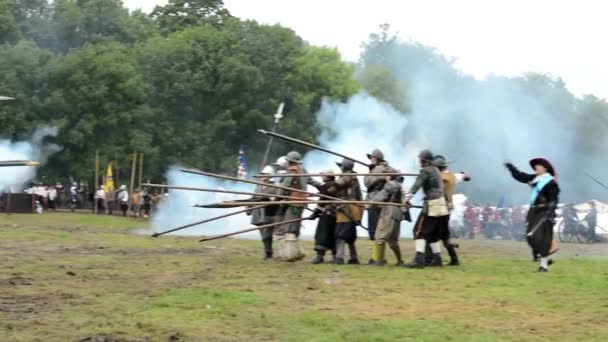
{"x":178,"y":15}
{"x":99,"y":102}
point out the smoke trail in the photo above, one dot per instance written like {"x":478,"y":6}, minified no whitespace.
{"x":14,"y":178}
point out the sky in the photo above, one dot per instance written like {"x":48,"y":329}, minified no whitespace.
{"x":561,"y":37}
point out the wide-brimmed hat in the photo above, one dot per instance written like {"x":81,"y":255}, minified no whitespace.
{"x":426,"y":155}
{"x":544,"y":162}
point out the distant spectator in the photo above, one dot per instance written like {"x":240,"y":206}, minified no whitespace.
{"x":100,"y":198}
{"x":123,"y":199}
{"x":52,"y":196}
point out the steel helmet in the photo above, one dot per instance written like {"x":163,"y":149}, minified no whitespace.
{"x":267,"y":170}
{"x":426,"y":155}
{"x":376,"y":153}
{"x":294,"y":157}
{"x":440,"y":161}
{"x":281,"y":163}
{"x":346,"y":165}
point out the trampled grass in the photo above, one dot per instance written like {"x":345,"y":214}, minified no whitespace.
{"x":68,"y":277}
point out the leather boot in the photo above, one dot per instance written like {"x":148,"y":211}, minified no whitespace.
{"x":418,"y":261}
{"x":453,"y":256}
{"x":318,"y":259}
{"x":437,"y":261}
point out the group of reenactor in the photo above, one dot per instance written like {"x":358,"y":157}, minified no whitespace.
{"x":337,"y":222}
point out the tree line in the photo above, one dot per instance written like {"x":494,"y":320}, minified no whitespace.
{"x":189,"y":83}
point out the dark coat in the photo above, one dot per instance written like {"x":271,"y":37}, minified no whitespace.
{"x":541,"y":217}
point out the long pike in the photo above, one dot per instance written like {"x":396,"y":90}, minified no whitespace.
{"x":316,"y":147}
{"x":336,"y":174}
{"x":597,"y":181}
{"x":219,"y":191}
{"x":202,"y":173}
{"x":252,"y":229}
{"x":240,"y":204}
{"x":206,"y":221}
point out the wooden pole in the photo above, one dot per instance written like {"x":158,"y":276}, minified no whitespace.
{"x":220,"y":191}
{"x":117,"y":171}
{"x":96,"y":180}
{"x":241,"y":204}
{"x":131,"y":186}
{"x":335,"y":174}
{"x":141,"y":169}
{"x":206,"y":221}
{"x":252,"y":229}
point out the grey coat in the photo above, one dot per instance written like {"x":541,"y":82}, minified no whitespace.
{"x":390,"y":192}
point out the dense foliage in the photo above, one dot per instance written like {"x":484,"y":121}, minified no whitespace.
{"x":189,"y":83}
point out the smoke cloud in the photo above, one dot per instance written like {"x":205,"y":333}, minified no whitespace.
{"x":14,"y":178}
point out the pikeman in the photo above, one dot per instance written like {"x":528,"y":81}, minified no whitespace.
{"x":348,"y":216}
{"x":291,"y":231}
{"x":450,"y":179}
{"x":325,"y":238}
{"x":389,"y":224}
{"x":543,"y":203}
{"x":427,"y":229}
{"x":374,"y":184}
{"x":265,"y":215}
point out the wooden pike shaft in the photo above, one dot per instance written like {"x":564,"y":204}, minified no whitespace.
{"x":316,"y":147}
{"x":252,"y":229}
{"x":9,"y":163}
{"x":336,"y":175}
{"x":219,"y":191}
{"x":240,"y":204}
{"x":205,"y":221}
{"x":202,"y":173}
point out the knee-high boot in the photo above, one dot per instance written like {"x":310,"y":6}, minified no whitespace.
{"x":397,"y":251}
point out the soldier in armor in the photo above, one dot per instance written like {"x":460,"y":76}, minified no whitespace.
{"x":543,"y":203}
{"x":266,"y":215}
{"x":374,"y":184}
{"x":389,"y":224}
{"x":427,"y":229}
{"x":292,"y":230}
{"x":348,"y":216}
{"x":450,"y":180}
{"x":325,"y":239}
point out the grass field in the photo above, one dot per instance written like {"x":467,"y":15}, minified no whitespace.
{"x":78,"y":277}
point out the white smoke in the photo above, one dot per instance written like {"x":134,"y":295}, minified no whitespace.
{"x":14,"y":178}
{"x":178,"y":209}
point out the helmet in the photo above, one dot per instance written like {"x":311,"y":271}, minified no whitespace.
{"x":440,"y":161}
{"x":294,"y":157}
{"x":268,"y":170}
{"x":376,"y":153}
{"x":426,"y":155}
{"x":346,"y":165}
{"x":123,"y":187}
{"x":281,"y":163}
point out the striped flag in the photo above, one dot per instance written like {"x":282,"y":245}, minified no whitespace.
{"x":242,"y":168}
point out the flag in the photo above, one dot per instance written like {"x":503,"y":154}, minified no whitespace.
{"x":502,"y":202}
{"x":109,"y":179}
{"x":242,"y":168}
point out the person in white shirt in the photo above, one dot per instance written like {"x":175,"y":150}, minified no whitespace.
{"x":100,"y":198}
{"x":52,"y":195}
{"x":123,"y":199}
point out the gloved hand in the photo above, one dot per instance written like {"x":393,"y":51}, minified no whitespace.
{"x":315,"y":214}
{"x":509,"y":165}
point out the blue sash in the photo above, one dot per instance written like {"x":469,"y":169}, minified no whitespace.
{"x":538,"y":186}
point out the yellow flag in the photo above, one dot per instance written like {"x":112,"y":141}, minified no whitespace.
{"x":109,"y":179}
